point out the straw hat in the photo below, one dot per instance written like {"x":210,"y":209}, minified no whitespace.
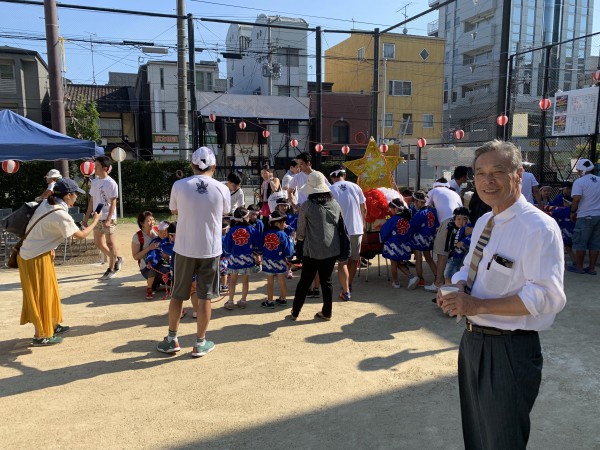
{"x":316,"y":184}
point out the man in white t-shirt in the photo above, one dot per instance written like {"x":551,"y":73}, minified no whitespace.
{"x":530,"y":188}
{"x":305,"y":168}
{"x":199,"y":202}
{"x":354,"y":209}
{"x":460,"y":176}
{"x":233,"y":183}
{"x":51,"y":177}
{"x":105,"y":191}
{"x":287,"y":178}
{"x":585,"y":212}
{"x":445,"y":201}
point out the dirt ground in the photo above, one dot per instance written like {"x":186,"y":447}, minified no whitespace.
{"x":381,"y":374}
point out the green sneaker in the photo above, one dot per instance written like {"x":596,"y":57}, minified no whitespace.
{"x":202,"y":349}
{"x":45,"y":342}
{"x":168,"y":347}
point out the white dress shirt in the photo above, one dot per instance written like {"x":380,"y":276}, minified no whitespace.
{"x":532,"y":241}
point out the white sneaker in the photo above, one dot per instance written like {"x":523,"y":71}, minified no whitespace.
{"x":396,"y":285}
{"x":412,"y":283}
{"x":430,"y":287}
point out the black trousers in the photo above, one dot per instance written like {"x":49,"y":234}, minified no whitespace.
{"x":499,"y":379}
{"x":310,"y":267}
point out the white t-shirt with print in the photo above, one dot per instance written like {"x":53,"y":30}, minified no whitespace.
{"x":527,"y":184}
{"x":103,"y":190}
{"x":200,"y":202}
{"x":588,"y":187}
{"x":350,"y":196}
{"x":445,"y":202}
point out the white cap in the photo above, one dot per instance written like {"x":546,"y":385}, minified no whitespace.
{"x":163,"y":225}
{"x":53,"y":173}
{"x":204,"y":158}
{"x":584,"y":165}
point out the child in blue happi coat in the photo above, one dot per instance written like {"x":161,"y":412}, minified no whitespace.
{"x":423,"y":227}
{"x":277,"y":248}
{"x":223,"y":282}
{"x":291,"y":220}
{"x":242,"y":245}
{"x":459,"y":241}
{"x":158,"y":260}
{"x":396,"y":237}
{"x":562,"y":215}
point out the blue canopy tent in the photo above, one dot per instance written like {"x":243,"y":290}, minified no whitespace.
{"x":24,"y":140}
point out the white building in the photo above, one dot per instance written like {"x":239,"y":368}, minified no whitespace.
{"x":157,"y":92}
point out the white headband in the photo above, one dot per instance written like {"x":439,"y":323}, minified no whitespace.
{"x":438,"y":184}
{"x":239,"y":219}
{"x":337,"y":173}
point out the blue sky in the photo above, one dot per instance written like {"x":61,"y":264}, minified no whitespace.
{"x":23,"y":26}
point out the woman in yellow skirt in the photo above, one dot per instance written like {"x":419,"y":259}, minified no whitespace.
{"x":41,"y":300}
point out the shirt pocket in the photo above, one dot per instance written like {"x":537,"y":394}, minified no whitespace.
{"x":498,"y":278}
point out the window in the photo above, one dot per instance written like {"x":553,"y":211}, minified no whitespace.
{"x":388,"y":120}
{"x":427,"y":120}
{"x":389,"y":51}
{"x":445,"y":97}
{"x":360,"y":55}
{"x":110,"y":127}
{"x":243,"y":71}
{"x":8,"y":83}
{"x":289,"y":57}
{"x":340,"y":133}
{"x":231,"y":82}
{"x":399,"y":88}
{"x":407,"y":124}
{"x":288,"y":127}
{"x":204,"y":81}
{"x":288,"y":91}
{"x":163,"y":120}
{"x":244,"y":42}
{"x":162,"y":78}
{"x":454,"y":96}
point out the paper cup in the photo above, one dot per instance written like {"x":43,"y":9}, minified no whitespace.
{"x":445,"y":290}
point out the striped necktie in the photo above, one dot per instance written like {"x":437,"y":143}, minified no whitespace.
{"x":478,"y":253}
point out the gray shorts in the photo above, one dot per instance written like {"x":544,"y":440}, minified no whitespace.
{"x":355,"y":243}
{"x":586,"y":235}
{"x":439,"y":244}
{"x":207,"y":277}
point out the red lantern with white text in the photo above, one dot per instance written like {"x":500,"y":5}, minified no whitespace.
{"x":212,"y":117}
{"x":10,"y":166}
{"x":458,"y":134}
{"x":242,"y":125}
{"x":383,"y":148}
{"x":345,"y":149}
{"x":294,"y":143}
{"x":545,"y":104}
{"x":502,"y":120}
{"x":596,"y":76}
{"x":266,"y":133}
{"x":87,"y":168}
{"x":318,"y":148}
{"x":421,"y":142}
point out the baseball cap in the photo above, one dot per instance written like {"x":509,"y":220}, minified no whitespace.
{"x":163,"y":225}
{"x":53,"y":173}
{"x":204,"y":158}
{"x":584,"y":165}
{"x":66,"y":186}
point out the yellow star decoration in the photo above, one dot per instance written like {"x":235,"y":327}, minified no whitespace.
{"x":374,"y":170}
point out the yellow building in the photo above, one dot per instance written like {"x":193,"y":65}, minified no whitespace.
{"x":411,"y":78}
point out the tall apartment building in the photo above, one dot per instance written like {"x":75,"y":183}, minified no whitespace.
{"x":411,"y":72}
{"x":472,"y":30}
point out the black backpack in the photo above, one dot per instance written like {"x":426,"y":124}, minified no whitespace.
{"x":17,"y":222}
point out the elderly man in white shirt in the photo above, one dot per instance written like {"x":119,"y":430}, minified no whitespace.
{"x":510,"y":287}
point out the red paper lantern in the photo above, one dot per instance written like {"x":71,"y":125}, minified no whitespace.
{"x":383,"y":148}
{"x":596,"y":76}
{"x":545,"y":104}
{"x":10,"y":166}
{"x":318,"y":148}
{"x":87,"y":168}
{"x":502,"y":120}
{"x":212,"y":117}
{"x":458,"y":134}
{"x":266,"y":133}
{"x":294,"y":143}
{"x":345,"y":149}
{"x":421,"y":142}
{"x":242,"y":125}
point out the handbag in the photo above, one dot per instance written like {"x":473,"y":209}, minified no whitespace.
{"x":13,"y":262}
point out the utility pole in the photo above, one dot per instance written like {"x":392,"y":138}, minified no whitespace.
{"x":503,"y":67}
{"x":319,"y":79}
{"x":182,"y":111}
{"x":375,"y":94}
{"x":192,"y":81}
{"x":57,"y":106}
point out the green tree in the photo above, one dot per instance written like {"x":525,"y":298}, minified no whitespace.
{"x":84,"y":121}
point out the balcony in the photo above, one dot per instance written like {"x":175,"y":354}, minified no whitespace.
{"x":432,"y":28}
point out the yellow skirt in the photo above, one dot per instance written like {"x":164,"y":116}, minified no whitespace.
{"x":41,"y":302}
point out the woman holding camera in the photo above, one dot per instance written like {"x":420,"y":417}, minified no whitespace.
{"x":41,"y":300}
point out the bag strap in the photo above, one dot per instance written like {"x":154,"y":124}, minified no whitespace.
{"x":36,"y":222}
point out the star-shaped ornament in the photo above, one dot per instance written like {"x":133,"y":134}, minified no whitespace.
{"x":374,"y":169}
